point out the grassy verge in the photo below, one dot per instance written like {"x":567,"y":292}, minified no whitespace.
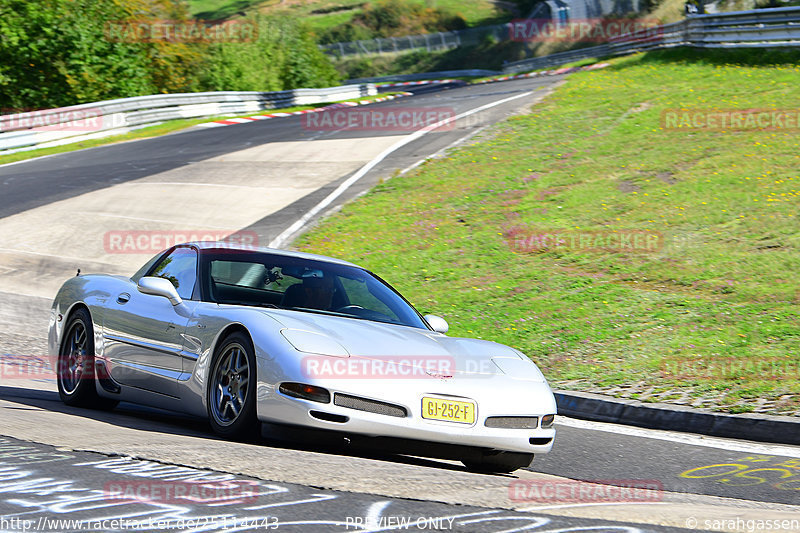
{"x":164,"y":128}
{"x":323,"y":14}
{"x":488,"y":55}
{"x":709,"y":317}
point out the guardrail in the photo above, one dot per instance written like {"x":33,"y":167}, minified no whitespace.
{"x":52,"y":127}
{"x":740,"y":29}
{"x":427,"y":76}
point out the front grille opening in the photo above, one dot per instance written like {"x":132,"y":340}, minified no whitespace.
{"x":540,"y":441}
{"x":370,"y":406}
{"x":512,"y":422}
{"x":329,"y":417}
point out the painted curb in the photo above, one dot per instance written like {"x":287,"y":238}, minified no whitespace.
{"x":671,"y":417}
{"x":414,"y":83}
{"x":256,"y":118}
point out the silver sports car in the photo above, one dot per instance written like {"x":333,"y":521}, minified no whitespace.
{"x":243,"y":335}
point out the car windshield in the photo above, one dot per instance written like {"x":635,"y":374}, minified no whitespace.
{"x":272,"y":280}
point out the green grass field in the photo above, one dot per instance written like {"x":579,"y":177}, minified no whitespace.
{"x":322,"y":14}
{"x":687,"y":322}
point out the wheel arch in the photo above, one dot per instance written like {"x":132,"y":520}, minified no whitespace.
{"x":73,"y":308}
{"x":227,"y":331}
{"x":248,"y":429}
{"x":224,"y":333}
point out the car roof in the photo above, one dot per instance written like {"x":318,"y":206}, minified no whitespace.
{"x":225,"y":245}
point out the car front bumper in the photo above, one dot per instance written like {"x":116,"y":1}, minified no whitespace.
{"x":496,"y":395}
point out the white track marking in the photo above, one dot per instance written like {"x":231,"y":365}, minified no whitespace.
{"x":684,"y":438}
{"x":283,"y":238}
{"x":374,"y":513}
{"x":604,"y":529}
{"x":538,"y":521}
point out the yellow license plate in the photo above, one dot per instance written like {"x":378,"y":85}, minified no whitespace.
{"x":448,"y":410}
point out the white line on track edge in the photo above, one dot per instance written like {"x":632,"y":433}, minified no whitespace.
{"x":783,"y":450}
{"x":283,"y":238}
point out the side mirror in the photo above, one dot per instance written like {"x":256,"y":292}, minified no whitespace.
{"x":437,"y":323}
{"x":159,"y":287}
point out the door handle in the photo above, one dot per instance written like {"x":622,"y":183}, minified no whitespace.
{"x":123,"y":298}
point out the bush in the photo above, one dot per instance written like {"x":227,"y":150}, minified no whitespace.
{"x":54,"y":53}
{"x":282,"y":56}
{"x":392,"y":18}
{"x":61,"y":52}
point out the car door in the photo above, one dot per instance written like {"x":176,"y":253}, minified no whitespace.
{"x":143,"y":333}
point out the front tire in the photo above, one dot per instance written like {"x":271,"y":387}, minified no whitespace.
{"x":231,"y":392}
{"x":498,"y":462}
{"x":75,"y":366}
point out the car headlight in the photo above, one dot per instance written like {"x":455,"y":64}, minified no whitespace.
{"x":316,"y":343}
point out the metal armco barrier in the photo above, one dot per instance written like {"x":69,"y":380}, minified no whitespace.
{"x":739,"y":29}
{"x":52,"y":127}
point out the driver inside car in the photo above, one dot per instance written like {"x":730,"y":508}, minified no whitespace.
{"x":318,"y":292}
{"x":314,"y":292}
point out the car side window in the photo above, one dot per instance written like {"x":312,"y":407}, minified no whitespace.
{"x":179,"y":267}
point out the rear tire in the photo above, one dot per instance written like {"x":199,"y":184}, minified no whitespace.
{"x":231,"y":392}
{"x":75,"y":365}
{"x":498,"y":462}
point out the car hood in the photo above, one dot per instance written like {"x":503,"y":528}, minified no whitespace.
{"x":402,"y":345}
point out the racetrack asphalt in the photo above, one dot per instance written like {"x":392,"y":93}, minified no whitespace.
{"x":723,"y":479}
